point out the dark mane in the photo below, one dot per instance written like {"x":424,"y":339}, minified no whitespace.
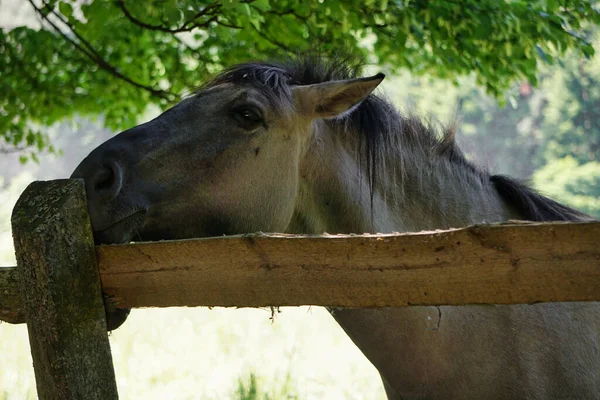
{"x":380,"y":126}
{"x":532,"y":205}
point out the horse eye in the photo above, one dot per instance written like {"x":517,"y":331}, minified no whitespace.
{"x":248,"y":117}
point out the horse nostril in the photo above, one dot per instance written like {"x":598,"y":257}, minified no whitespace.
{"x":108,"y":180}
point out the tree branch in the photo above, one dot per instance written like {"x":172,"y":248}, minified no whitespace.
{"x":16,"y":149}
{"x":291,"y":12}
{"x":187,"y":25}
{"x":228,"y":25}
{"x":89,"y":51}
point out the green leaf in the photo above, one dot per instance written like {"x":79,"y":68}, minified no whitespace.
{"x":588,"y":50}
{"x":66,"y":9}
{"x":173,"y":15}
{"x":262,"y":5}
{"x":383,"y":5}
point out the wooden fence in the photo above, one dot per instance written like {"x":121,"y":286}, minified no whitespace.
{"x":57,"y":287}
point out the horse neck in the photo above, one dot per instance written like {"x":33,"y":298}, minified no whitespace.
{"x":414,"y":191}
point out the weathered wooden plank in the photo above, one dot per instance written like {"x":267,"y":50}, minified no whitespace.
{"x":11,"y":306}
{"x":494,"y":264}
{"x":60,"y":285}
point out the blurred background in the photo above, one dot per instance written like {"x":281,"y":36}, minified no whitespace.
{"x":544,"y":130}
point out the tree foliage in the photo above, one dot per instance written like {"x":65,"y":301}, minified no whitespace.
{"x":575,"y":183}
{"x":115,"y":57}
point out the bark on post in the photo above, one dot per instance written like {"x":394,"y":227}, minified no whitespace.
{"x":62,"y":298}
{"x":11,"y":306}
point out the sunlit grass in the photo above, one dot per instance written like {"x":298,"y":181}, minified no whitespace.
{"x":252,"y":389}
{"x":197,"y":353}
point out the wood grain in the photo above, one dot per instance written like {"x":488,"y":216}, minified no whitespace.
{"x":493,"y":264}
{"x":11,"y":304}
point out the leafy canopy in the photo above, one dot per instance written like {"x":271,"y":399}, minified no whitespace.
{"x":115,"y":57}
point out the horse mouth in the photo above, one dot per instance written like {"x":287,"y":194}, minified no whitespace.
{"x":122,"y":231}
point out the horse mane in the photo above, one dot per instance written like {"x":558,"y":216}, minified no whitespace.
{"x":381,"y":127}
{"x":532,"y":205}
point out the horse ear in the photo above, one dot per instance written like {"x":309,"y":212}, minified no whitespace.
{"x":334,"y":98}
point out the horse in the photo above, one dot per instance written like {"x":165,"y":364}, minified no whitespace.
{"x":304,"y":146}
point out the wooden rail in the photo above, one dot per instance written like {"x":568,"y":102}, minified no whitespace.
{"x":491,"y":264}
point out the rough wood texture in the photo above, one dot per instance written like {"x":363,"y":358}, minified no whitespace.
{"x":11,"y":306}
{"x":494,"y":264}
{"x":60,"y":285}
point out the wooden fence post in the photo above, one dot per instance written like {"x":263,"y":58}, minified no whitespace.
{"x":11,"y":302}
{"x":62,"y":298}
